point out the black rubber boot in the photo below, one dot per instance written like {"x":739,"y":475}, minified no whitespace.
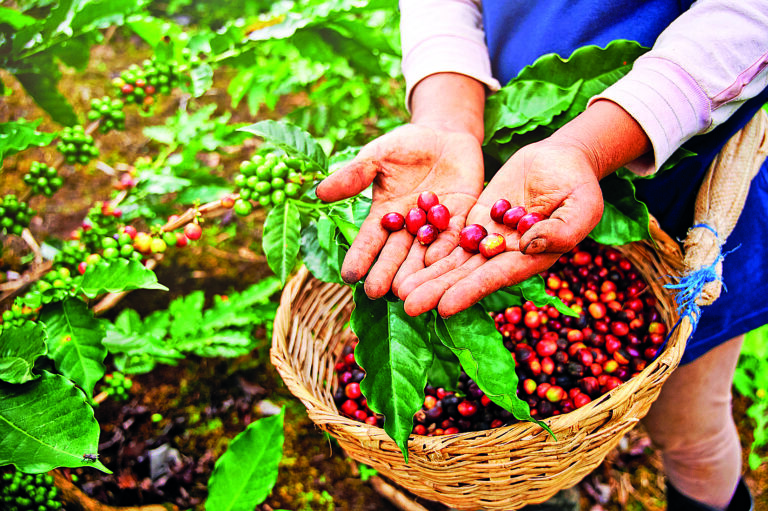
{"x":741,"y":501}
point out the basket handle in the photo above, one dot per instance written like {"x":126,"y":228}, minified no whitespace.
{"x":720,"y":201}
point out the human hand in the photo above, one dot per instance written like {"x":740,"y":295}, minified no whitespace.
{"x":401,"y":164}
{"x":555,"y":177}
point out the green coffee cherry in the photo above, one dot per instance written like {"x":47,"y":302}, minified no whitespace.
{"x":76,"y":146}
{"x":14,"y":215}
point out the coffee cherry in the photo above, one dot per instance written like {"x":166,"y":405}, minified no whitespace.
{"x":193,"y":231}
{"x":499,"y":208}
{"x":352,"y":390}
{"x":492,"y":245}
{"x":427,"y":200}
{"x":242,"y":207}
{"x":426,"y":234}
{"x":467,"y":408}
{"x":439,"y":216}
{"x":512,"y":216}
{"x":471,"y":236}
{"x":527,"y":221}
{"x":393,"y":222}
{"x":415,"y":219}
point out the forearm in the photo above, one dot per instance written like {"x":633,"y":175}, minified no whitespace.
{"x":609,"y":135}
{"x":706,"y":64}
{"x":449,"y":101}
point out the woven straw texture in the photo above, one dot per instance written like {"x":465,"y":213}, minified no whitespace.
{"x":499,"y":469}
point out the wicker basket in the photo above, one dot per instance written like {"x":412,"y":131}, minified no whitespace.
{"x":499,"y":469}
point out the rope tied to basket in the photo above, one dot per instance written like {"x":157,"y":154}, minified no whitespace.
{"x":691,"y":286}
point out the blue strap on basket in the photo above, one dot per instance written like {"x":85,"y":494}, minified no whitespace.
{"x":691,"y":285}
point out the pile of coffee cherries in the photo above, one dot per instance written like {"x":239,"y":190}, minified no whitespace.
{"x":428,"y":219}
{"x":28,"y":492}
{"x":562,"y":362}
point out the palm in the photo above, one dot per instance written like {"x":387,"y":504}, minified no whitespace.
{"x":558,"y":182}
{"x":400,"y":165}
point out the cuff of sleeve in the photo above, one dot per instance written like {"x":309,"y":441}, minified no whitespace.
{"x":447,"y":54}
{"x":667,"y":103}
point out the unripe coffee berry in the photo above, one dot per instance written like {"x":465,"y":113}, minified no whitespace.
{"x":512,"y":216}
{"x":498,"y":209}
{"x":527,"y":221}
{"x":426,"y":234}
{"x":439,"y":216}
{"x":427,"y":200}
{"x":493,"y":244}
{"x":393,"y":221}
{"x":471,"y":236}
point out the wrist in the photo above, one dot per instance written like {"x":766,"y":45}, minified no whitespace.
{"x":449,"y":102}
{"x":608,"y":135}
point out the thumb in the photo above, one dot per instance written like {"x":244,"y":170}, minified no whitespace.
{"x":348,"y":181}
{"x":570,"y":223}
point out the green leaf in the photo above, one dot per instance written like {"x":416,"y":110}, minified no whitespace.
{"x":187,"y":316}
{"x":317,"y":260}
{"x":15,"y":19}
{"x":18,"y":135}
{"x":229,"y":344}
{"x":45,"y":424}
{"x":40,"y":78}
{"x":625,"y":219}
{"x":201,"y":77}
{"x":525,"y":104}
{"x":75,"y":342}
{"x":292,"y":139}
{"x":20,"y":346}
{"x":246,"y":473}
{"x":118,"y":275}
{"x":473,"y":338}
{"x":574,"y":80}
{"x":280,"y":239}
{"x":396,"y":354}
{"x":349,"y":215}
{"x":445,"y":369}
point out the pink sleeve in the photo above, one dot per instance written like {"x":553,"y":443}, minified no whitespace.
{"x":443,"y":36}
{"x":705,"y":65}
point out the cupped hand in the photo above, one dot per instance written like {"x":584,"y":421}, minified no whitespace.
{"x":400,"y":165}
{"x":555,"y":178}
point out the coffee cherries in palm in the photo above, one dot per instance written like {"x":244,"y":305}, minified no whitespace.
{"x":514,"y":217}
{"x":425,"y":221}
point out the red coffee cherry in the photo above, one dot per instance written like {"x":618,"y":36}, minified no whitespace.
{"x":493,"y":244}
{"x":439,"y":216}
{"x":527,"y":221}
{"x":414,"y":219}
{"x":193,"y":231}
{"x":393,"y":221}
{"x":470,"y":237}
{"x":426,"y":234}
{"x":427,"y":200}
{"x":498,"y":209}
{"x":513,"y":215}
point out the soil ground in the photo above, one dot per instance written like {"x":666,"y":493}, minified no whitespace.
{"x":205,"y":402}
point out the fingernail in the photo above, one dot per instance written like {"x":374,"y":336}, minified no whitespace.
{"x":537,"y":246}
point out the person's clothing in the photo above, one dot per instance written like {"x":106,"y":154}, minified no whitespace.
{"x":704,"y":78}
{"x":707,"y":447}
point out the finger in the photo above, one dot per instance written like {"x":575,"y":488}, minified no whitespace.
{"x":570,"y":223}
{"x":393,"y":254}
{"x":348,"y":181}
{"x":428,"y":294}
{"x":440,"y":267}
{"x":500,"y":271}
{"x":413,"y":263}
{"x":446,"y":242}
{"x":367,"y":245}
